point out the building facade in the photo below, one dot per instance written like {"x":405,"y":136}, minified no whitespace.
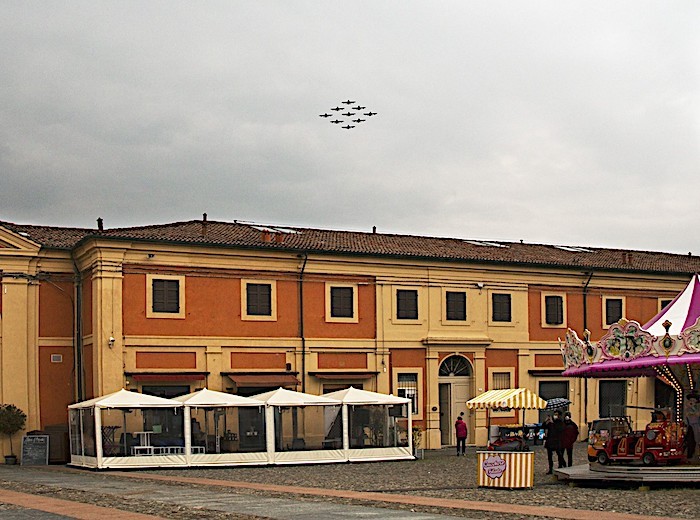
{"x":244,"y":308}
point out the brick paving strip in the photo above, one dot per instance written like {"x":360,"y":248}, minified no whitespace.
{"x":543,"y":511}
{"x":67,"y":508}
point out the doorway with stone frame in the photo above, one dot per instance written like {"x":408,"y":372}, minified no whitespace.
{"x":456,"y":387}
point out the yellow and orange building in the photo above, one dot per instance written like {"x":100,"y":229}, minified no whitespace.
{"x":241,"y":308}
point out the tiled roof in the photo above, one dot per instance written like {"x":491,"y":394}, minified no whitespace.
{"x":245,"y":235}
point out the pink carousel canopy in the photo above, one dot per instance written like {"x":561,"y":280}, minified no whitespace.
{"x":629,"y":349}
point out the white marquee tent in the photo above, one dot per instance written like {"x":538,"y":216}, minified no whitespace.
{"x":132,"y":430}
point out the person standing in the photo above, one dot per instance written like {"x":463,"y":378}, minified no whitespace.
{"x":554,"y":427}
{"x":568,"y":438}
{"x":461,"y":432}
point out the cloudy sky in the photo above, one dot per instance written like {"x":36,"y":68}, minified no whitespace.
{"x":555,"y":122}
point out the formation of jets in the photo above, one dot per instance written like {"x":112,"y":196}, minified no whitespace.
{"x":348,"y":114}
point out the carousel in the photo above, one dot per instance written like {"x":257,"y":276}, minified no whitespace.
{"x":667,"y":348}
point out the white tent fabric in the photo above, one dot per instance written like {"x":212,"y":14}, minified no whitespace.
{"x":354,"y":395}
{"x":125,"y":399}
{"x":211,"y":398}
{"x":284,"y":397}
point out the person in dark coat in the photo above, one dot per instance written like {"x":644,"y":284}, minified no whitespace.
{"x":568,"y":438}
{"x":461,"y":432}
{"x":554,"y":427}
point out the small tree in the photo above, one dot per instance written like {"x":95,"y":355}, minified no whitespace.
{"x":12,"y":420}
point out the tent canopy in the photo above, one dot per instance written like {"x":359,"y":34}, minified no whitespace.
{"x":211,"y":398}
{"x":509,"y":398}
{"x":284,"y":397}
{"x":682,"y":312}
{"x":125,"y":399}
{"x":354,"y":395}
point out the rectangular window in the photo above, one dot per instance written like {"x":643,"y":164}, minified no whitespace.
{"x":613,"y":398}
{"x":406,"y":304}
{"x":456,"y":306}
{"x":166,"y":296}
{"x":501,"y":308}
{"x":663,"y":303}
{"x":342,"y":304}
{"x":554,"y":310}
{"x":550,"y":390}
{"x":613,"y":310}
{"x":259,"y":299}
{"x":501,"y":380}
{"x":408,"y":388}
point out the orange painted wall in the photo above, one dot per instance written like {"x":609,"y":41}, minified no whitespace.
{"x":638,"y":306}
{"x":166,"y":360}
{"x":348,"y":360}
{"x":56,"y":385}
{"x":56,"y":309}
{"x":261,"y":360}
{"x":315,"y":325}
{"x":502,"y":358}
{"x":549,"y":361}
{"x":409,"y":357}
{"x":213,"y":308}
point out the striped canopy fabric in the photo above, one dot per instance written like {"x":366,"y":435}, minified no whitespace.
{"x":508,"y":398}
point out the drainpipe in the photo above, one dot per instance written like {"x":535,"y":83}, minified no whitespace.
{"x":78,"y":329}
{"x":301,"y":321}
{"x":585,"y":326}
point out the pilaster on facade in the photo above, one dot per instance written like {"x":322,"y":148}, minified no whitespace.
{"x":481,"y":434}
{"x":108,"y":344}
{"x":19,"y":342}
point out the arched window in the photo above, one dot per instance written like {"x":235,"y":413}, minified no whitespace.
{"x":455,"y":366}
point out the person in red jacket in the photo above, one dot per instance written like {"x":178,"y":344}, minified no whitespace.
{"x":569,"y":437}
{"x":461,"y":432}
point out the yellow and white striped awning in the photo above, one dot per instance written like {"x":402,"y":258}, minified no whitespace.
{"x":509,"y":398}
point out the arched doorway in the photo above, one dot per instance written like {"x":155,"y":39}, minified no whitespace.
{"x":455,"y":383}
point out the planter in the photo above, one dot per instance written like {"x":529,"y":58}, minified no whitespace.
{"x":10,"y":459}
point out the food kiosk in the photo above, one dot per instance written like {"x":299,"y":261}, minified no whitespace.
{"x":506,"y":469}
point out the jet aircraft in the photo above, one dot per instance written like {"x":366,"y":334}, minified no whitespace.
{"x":358,"y":120}
{"x":348,"y":114}
{"x":358,"y":107}
{"x":337,"y":121}
{"x":349,"y":127}
{"x":324,"y":115}
{"x":348,"y":102}
{"x":370,"y":114}
{"x":337,"y":108}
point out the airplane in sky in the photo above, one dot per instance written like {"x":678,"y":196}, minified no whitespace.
{"x":370,"y":114}
{"x":337,"y":108}
{"x":337,"y":121}
{"x":324,"y":115}
{"x":358,"y":107}
{"x":349,"y":127}
{"x":348,"y":114}
{"x":358,"y":120}
{"x":348,"y":102}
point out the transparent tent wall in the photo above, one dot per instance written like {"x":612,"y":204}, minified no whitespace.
{"x":308,"y":428}
{"x":373,"y":426}
{"x":228,"y":429}
{"x":123,"y":429}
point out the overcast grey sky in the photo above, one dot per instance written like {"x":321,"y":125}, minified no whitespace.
{"x":555,"y":122}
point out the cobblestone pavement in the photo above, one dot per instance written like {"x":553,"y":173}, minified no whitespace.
{"x":440,"y":475}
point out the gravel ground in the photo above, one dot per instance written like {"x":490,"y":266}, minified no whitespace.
{"x":440,"y":474}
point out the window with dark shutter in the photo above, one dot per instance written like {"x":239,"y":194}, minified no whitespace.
{"x":500,"y":307}
{"x":456,"y":306}
{"x":166,"y":296}
{"x":613,"y":310}
{"x":554,"y":310}
{"x":258,"y":299}
{"x":406,"y":304}
{"x":342,"y":302}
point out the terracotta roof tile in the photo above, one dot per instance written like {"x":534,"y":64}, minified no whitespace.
{"x":245,"y":235}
